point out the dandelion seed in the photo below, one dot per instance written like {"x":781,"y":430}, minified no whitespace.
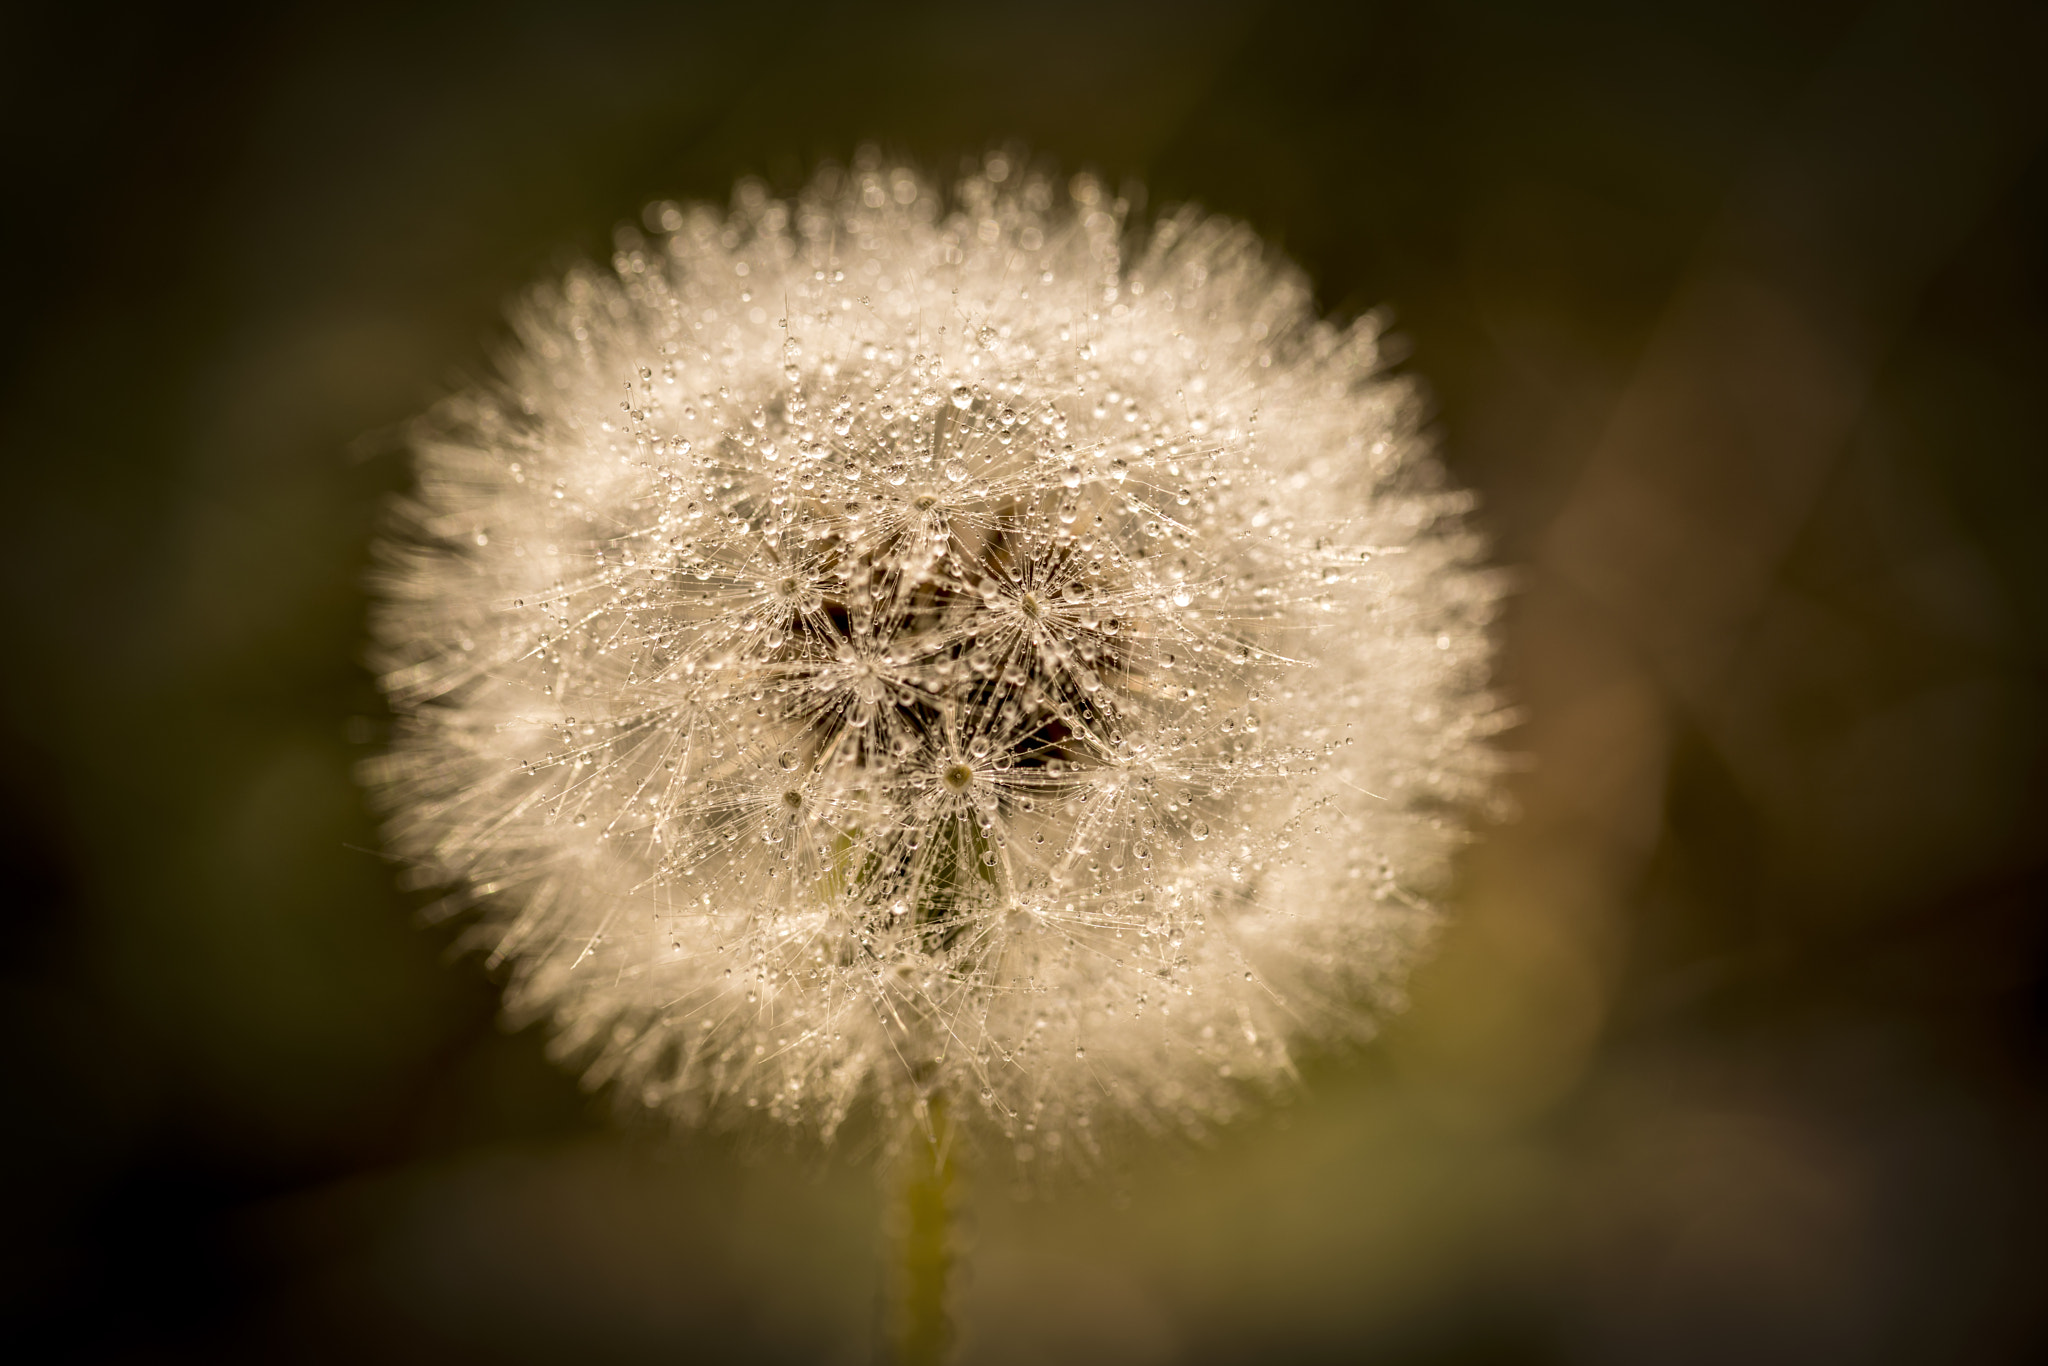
{"x":1010,"y":540}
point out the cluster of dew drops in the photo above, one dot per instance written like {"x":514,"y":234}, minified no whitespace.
{"x":884,"y":610}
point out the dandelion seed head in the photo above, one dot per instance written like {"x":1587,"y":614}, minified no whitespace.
{"x":894,"y":639}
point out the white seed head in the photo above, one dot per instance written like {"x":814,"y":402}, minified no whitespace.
{"x":894,"y":640}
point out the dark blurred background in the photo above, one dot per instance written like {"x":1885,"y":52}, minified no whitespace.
{"x":1734,"y":314}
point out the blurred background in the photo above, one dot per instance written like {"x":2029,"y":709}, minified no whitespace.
{"x":1733,"y":312}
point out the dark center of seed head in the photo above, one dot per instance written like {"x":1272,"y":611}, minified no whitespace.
{"x":924,"y":501}
{"x":788,"y":587}
{"x":958,"y":777}
{"x":1032,"y":607}
{"x":793,"y":799}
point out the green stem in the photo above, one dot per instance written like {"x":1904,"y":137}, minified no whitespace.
{"x":921,"y":1333}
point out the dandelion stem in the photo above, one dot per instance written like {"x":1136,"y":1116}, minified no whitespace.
{"x":922,"y":1259}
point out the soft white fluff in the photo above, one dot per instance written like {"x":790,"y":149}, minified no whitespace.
{"x":896,"y":640}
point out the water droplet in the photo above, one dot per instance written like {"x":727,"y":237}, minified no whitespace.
{"x":962,"y":396}
{"x":787,"y":761}
{"x":582,"y":820}
{"x":1199,"y":830}
{"x":955,"y":471}
{"x":1075,"y":591}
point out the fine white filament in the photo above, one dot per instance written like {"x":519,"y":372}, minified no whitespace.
{"x":902,"y":639}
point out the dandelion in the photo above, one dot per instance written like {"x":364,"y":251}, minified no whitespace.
{"x":901,"y":646}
